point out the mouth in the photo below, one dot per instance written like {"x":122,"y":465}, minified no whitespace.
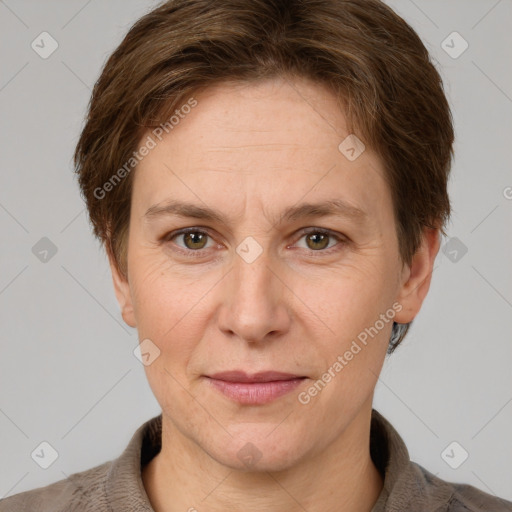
{"x":254,"y":389}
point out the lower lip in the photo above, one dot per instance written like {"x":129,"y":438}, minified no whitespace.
{"x":255,"y":393}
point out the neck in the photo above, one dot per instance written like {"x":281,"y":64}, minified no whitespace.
{"x":340,"y":478}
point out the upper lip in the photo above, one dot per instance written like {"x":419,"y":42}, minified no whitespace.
{"x":240,"y":376}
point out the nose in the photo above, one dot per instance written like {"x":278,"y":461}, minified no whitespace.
{"x":254,"y":307}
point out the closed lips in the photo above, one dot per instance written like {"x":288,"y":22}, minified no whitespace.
{"x":240,"y":376}
{"x":254,"y":389}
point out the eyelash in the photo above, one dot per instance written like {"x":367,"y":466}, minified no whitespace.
{"x":191,"y":253}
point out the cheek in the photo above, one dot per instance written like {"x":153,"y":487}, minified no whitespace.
{"x":347,"y":298}
{"x":355,"y":346}
{"x":171,"y":315}
{"x":159,"y":298}
{"x":171,"y":308}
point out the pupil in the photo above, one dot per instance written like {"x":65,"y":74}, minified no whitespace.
{"x":315,"y":238}
{"x":195,"y":237}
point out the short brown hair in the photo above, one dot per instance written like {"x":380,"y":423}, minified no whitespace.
{"x":373,"y":61}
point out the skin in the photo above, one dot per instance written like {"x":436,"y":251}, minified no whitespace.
{"x":250,"y":151}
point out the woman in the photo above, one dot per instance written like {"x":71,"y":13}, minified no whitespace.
{"x":270,"y":182}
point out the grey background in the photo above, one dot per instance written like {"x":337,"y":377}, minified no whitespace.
{"x":68,"y":374}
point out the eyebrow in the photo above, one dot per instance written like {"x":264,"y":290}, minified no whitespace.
{"x":333,"y":207}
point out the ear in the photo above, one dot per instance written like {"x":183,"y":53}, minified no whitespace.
{"x":122,"y":291}
{"x":416,"y":277}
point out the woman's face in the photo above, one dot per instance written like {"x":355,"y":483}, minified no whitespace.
{"x":267,"y":284}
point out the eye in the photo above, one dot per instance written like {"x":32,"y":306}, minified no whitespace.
{"x":318,"y":240}
{"x":193,"y":239}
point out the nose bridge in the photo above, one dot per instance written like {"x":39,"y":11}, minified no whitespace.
{"x":254,"y":307}
{"x":252,"y":277}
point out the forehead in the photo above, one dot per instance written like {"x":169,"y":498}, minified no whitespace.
{"x":275,"y":141}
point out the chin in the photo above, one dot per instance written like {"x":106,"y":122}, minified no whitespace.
{"x":261,"y":454}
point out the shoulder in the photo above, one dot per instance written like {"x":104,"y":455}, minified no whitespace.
{"x":80,"y":492}
{"x":447,"y":496}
